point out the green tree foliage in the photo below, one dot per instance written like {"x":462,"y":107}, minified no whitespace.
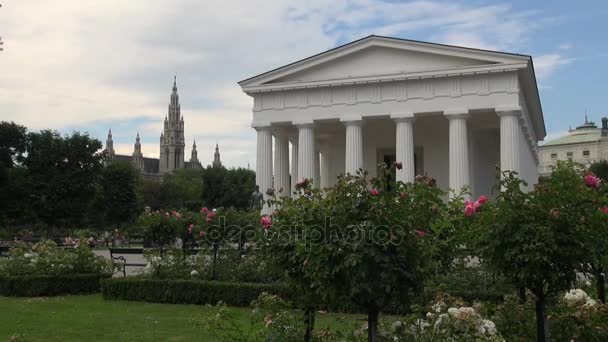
{"x":63,"y":171}
{"x":117,"y":198}
{"x":534,"y":238}
{"x":12,"y":143}
{"x":14,"y":182}
{"x":227,"y":187}
{"x":600,"y":169}
{"x":183,"y":188}
{"x":356,"y":244}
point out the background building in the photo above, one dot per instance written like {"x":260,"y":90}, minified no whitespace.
{"x":172,"y":146}
{"x":585,"y":144}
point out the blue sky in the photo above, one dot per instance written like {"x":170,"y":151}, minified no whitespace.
{"x":95,"y":65}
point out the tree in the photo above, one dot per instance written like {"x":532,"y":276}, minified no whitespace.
{"x":227,"y":187}
{"x":14,"y":181}
{"x":12,"y":142}
{"x":355,"y":244}
{"x":534,"y":238}
{"x":63,"y":171}
{"x":600,"y":169}
{"x":287,"y":247}
{"x":117,"y":198}
{"x":183,"y":188}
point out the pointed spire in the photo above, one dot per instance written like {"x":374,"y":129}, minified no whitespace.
{"x":174,"y":83}
{"x":110,"y":133}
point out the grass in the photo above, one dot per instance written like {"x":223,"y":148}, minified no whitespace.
{"x":81,"y":318}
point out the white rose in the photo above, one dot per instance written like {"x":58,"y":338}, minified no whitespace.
{"x":396,"y":325}
{"x":488,"y":327}
{"x":194,"y":273}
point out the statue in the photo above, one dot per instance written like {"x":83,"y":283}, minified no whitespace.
{"x":257,"y":199}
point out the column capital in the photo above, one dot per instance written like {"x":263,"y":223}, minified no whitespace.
{"x":260,"y":125}
{"x":516,"y":113}
{"x":507,"y":108}
{"x":348,"y":119}
{"x":303,"y":123}
{"x":456,"y":113}
{"x":403,"y":116}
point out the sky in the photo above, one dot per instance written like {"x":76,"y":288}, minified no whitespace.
{"x":94,"y":65}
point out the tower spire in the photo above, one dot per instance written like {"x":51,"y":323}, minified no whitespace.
{"x":109,"y":146}
{"x":216,"y":156}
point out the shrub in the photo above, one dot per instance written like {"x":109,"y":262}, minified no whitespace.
{"x":45,"y":258}
{"x":187,"y":291}
{"x":46,"y":285}
{"x":470,"y":284}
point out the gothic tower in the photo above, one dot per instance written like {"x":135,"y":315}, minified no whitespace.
{"x":216,"y":157}
{"x":109,"y":147}
{"x":172,"y":138}
{"x":194,"y":163}
{"x":138,"y":158}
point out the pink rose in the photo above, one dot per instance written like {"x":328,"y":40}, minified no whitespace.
{"x":420,"y":233}
{"x":266,"y":221}
{"x":604,"y":210}
{"x":592,"y":181}
{"x":190,"y":228}
{"x":202,"y":233}
{"x":482,"y":199}
{"x":204,"y":210}
{"x":374,"y":192}
{"x":470,"y":209}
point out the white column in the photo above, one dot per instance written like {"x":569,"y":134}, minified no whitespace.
{"x":354,"y":145}
{"x":317,"y":178}
{"x":325,"y":167}
{"x":294,"y":163}
{"x":405,"y":146}
{"x":306,"y":150}
{"x":510,"y":133}
{"x":459,"y":150}
{"x":263,"y":166}
{"x":281,"y":163}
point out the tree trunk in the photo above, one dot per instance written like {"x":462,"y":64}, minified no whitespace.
{"x":372,"y":324}
{"x":309,"y":322}
{"x":521,"y":292}
{"x":214,"y":261}
{"x":600,"y":286}
{"x":542,"y":328}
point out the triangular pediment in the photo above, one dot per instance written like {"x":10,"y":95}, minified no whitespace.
{"x":378,"y":56}
{"x":376,"y":60}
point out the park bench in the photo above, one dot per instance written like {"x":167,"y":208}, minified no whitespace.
{"x":120,"y":263}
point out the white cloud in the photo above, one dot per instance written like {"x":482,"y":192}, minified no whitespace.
{"x":553,"y":136}
{"x":545,"y":65}
{"x":73,"y":63}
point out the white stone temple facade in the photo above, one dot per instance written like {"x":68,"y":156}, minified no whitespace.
{"x":449,"y":112}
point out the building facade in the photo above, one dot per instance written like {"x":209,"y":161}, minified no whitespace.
{"x":172,"y":146}
{"x":586,"y":144}
{"x":449,"y":112}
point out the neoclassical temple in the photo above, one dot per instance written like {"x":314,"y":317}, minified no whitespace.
{"x":450,"y":112}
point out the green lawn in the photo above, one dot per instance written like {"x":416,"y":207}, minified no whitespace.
{"x":81,"y":318}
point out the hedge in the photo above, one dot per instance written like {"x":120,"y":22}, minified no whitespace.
{"x":44,"y":285}
{"x":210,"y":292}
{"x":187,"y":291}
